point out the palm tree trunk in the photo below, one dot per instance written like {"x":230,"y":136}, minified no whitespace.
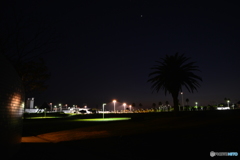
{"x":175,"y":102}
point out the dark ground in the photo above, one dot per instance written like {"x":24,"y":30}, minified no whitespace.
{"x":191,"y":135}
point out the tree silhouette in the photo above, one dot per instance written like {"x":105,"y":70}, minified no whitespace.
{"x":24,"y":39}
{"x":154,"y":105}
{"x":34,"y":75}
{"x":172,"y":73}
{"x":160,"y":103}
{"x":133,"y":105}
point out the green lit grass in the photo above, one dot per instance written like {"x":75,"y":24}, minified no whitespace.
{"x":84,"y":120}
{"x":104,"y":119}
{"x":41,"y":117}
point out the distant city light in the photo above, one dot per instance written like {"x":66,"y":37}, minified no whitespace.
{"x":223,"y":108}
{"x":114,"y":102}
{"x":124,"y":104}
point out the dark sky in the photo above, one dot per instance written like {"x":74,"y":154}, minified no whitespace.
{"x":107,"y":48}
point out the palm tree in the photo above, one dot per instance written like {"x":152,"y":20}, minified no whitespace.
{"x":172,"y":73}
{"x":154,"y":105}
{"x":160,"y":103}
{"x":133,"y":105}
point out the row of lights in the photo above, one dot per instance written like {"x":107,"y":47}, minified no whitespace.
{"x":130,"y":106}
{"x":114,"y":103}
{"x":197,"y":102}
{"x":227,"y":103}
{"x":124,"y":105}
{"x":60,"y":105}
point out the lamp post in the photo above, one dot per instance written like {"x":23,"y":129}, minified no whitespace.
{"x":182,"y":100}
{"x":130,"y":106}
{"x":228,"y":102}
{"x":114,"y":101}
{"x":103,"y":109}
{"x":60,"y":107}
{"x":124,"y":104}
{"x":196,"y":104}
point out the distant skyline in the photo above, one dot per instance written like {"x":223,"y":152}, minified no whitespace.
{"x":106,"y":49}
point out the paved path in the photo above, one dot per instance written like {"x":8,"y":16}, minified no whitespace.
{"x":34,"y":139}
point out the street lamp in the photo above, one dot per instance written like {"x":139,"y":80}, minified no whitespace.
{"x":130,"y":106}
{"x":228,"y":102}
{"x":114,"y":101}
{"x":182,"y":100}
{"x":124,"y":104}
{"x":103,"y":108}
{"x":60,"y":107}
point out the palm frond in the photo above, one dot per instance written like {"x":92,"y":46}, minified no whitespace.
{"x":173,"y":72}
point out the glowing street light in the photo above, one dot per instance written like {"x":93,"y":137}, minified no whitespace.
{"x":182,"y":100}
{"x":130,"y":106}
{"x":114,"y":101}
{"x":103,"y":108}
{"x":228,"y":102}
{"x":124,"y":104}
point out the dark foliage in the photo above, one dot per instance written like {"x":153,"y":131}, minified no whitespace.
{"x":172,"y":73}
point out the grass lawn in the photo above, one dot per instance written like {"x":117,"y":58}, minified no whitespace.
{"x":148,"y":137}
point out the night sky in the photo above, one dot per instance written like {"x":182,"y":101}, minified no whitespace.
{"x":106,"y":48}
